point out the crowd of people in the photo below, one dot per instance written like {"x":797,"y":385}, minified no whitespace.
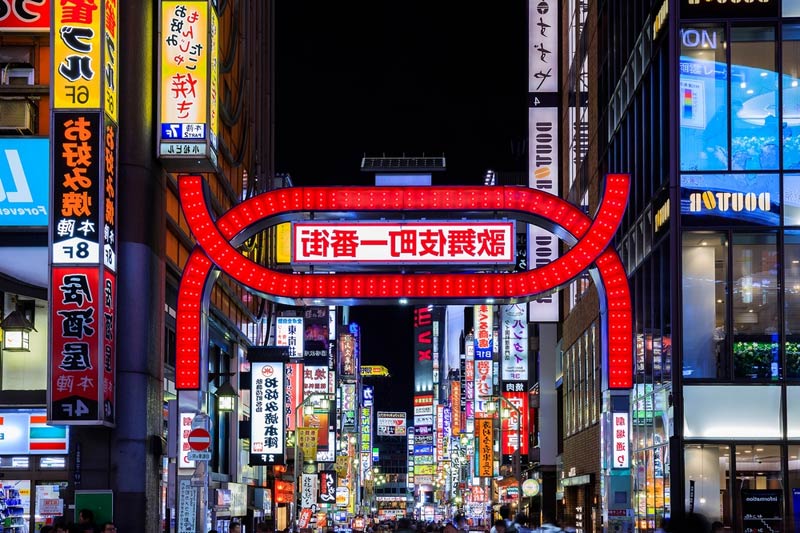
{"x":459,"y":524}
{"x":85,"y":524}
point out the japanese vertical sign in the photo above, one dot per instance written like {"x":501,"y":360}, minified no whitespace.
{"x":349,"y":406}
{"x":514,"y":356}
{"x":483,"y":433}
{"x":308,"y":489}
{"x":77,"y":44}
{"x":366,"y":429}
{"x":267,"y":420}
{"x":517,"y":396}
{"x":83,"y":223}
{"x":327,"y":486}
{"x":543,"y":120}
{"x":307,"y":441}
{"x":83,"y":334}
{"x":294,"y":393}
{"x":423,"y":349}
{"x":347,"y":359}
{"x":619,"y":429}
{"x":289,"y":334}
{"x":189,"y":41}
{"x":484,"y":344}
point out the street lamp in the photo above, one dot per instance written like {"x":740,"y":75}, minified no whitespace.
{"x":518,"y":449}
{"x":322,"y":399}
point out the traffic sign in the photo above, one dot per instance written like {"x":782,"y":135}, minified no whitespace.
{"x":199,"y":440}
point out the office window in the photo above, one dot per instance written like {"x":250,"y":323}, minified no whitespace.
{"x":754,"y":99}
{"x":705,"y":295}
{"x":703,"y":98}
{"x":755,"y":306}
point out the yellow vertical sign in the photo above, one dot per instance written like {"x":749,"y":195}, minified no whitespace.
{"x":184,"y":62}
{"x":483,"y":432}
{"x":307,"y":440}
{"x":214,"y":83}
{"x":77,"y":42}
{"x":110,"y":55}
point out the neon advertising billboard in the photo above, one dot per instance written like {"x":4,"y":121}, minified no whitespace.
{"x":217,"y":240}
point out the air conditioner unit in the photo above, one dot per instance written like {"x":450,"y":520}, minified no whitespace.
{"x":16,"y":116}
{"x":17,"y":76}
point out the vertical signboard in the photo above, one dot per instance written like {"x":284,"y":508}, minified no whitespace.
{"x":327,"y":486}
{"x":484,"y":343}
{"x":82,"y":233}
{"x":315,"y":335}
{"x":366,"y":429}
{"x":347,"y":361}
{"x":423,"y":349}
{"x":620,"y":440}
{"x":543,"y":136}
{"x":455,"y":406}
{"x":77,"y":44}
{"x":349,"y":406}
{"x":289,"y":334}
{"x":189,"y":75}
{"x":483,"y":435}
{"x":514,"y":359}
{"x":515,"y":425}
{"x":294,"y":393}
{"x":267,"y":420}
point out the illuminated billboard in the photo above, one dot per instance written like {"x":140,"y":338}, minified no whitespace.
{"x":24,"y":182}
{"x":469,"y":242}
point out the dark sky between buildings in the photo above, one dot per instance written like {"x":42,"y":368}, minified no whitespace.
{"x":398,"y":77}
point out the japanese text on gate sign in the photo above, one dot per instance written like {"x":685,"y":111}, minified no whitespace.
{"x":403,"y":242}
{"x":620,"y":440}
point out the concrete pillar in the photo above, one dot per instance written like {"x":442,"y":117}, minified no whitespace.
{"x":135,"y":455}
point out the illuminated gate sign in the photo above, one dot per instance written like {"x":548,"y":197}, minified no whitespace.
{"x":472,"y":242}
{"x":218,"y":238}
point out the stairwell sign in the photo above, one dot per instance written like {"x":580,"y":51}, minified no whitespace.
{"x":24,"y":179}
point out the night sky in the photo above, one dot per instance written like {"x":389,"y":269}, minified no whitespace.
{"x":398,"y":77}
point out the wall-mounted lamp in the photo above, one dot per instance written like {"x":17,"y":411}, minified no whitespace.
{"x":226,"y":398}
{"x":16,"y":332}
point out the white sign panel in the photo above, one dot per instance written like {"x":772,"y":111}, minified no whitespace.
{"x":391,"y":423}
{"x":620,"y":440}
{"x":267,"y":404}
{"x":404,"y":242}
{"x":187,"y":510}
{"x":315,"y":379}
{"x":289,"y":334}
{"x":183,"y":440}
{"x":308,"y":491}
{"x":515,"y":343}
{"x":543,"y":136}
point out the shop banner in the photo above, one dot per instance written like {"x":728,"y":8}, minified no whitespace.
{"x":289,"y":334}
{"x":514,"y":358}
{"x":327,"y":486}
{"x":484,"y":345}
{"x":267,"y":402}
{"x":349,"y":406}
{"x":483,"y":435}
{"x":347,"y":358}
{"x":294,"y":393}
{"x":307,"y":441}
{"x":391,"y":423}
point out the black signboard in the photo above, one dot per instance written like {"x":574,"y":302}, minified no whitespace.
{"x":761,"y":510}
{"x":695,"y":9}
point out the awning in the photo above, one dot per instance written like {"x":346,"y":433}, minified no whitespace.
{"x":26,"y":266}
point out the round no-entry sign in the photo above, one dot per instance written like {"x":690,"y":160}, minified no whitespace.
{"x":199,"y":439}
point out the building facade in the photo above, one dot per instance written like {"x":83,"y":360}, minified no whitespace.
{"x":128,"y":458}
